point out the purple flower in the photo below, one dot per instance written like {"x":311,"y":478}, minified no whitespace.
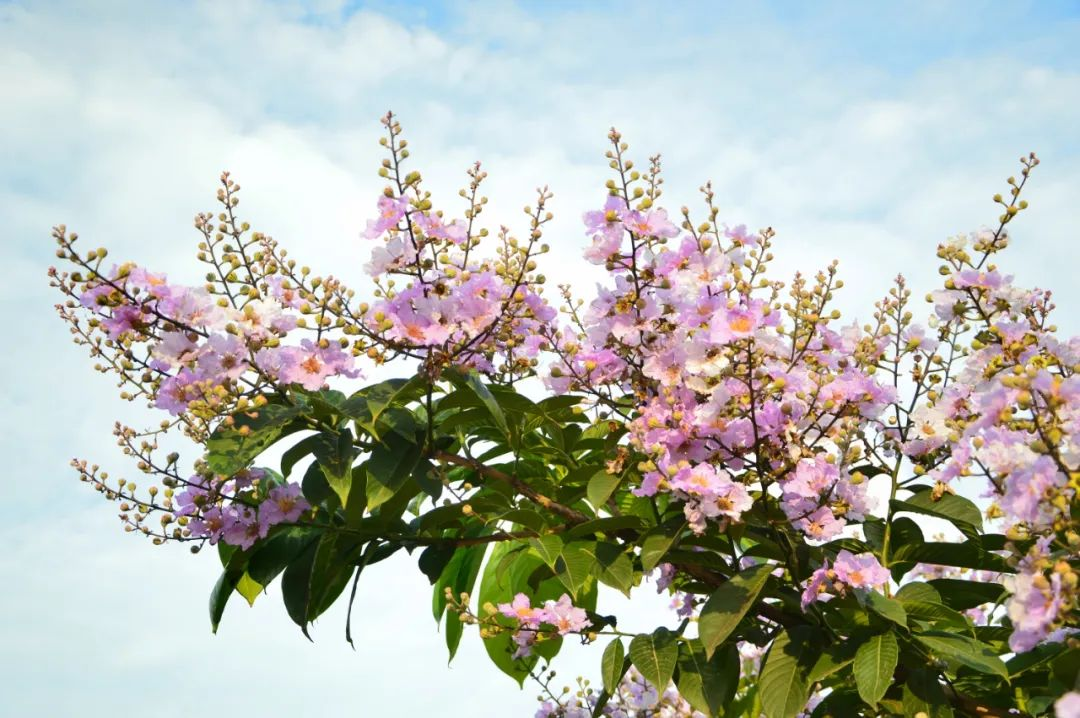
{"x":521,"y":610}
{"x":1068,"y":706}
{"x":391,"y":210}
{"x":241,"y":526}
{"x":284,"y":505}
{"x":564,"y":616}
{"x":1033,"y":608}
{"x":860,"y":570}
{"x":607,"y":221}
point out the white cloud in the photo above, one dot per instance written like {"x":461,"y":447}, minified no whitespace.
{"x":119,"y":117}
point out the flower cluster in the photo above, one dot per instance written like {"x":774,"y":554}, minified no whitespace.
{"x":561,"y":616}
{"x":456,"y":306}
{"x":849,"y":571}
{"x":230,"y":510}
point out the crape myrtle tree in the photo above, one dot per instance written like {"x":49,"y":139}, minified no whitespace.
{"x":854,"y":520}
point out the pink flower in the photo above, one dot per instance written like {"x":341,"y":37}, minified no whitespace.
{"x":564,"y":616}
{"x":1033,"y":608}
{"x":860,"y":570}
{"x":650,"y":224}
{"x":391,"y":210}
{"x":284,"y":505}
{"x":241,"y":526}
{"x":607,"y":221}
{"x":521,"y":610}
{"x":433,"y":226}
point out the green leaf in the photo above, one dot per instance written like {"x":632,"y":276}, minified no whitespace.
{"x":389,"y":467}
{"x":574,"y":567}
{"x":611,"y":665}
{"x":548,"y":547}
{"x":874,"y":664}
{"x":334,"y":454}
{"x":783,"y":684}
{"x":961,"y":594}
{"x":922,"y":693}
{"x":231,"y":448}
{"x":471,"y":380}
{"x":944,"y":617}
{"x":295,"y":587}
{"x":918,"y":591}
{"x":888,"y":608}
{"x":600,"y":487}
{"x":965,"y":651}
{"x":500,"y":587}
{"x":296,"y":453}
{"x":367,"y":405}
{"x":654,"y":546}
{"x":655,"y":655}
{"x":613,"y":566}
{"x":729,"y":603}
{"x":834,"y":657}
{"x":219,"y":596}
{"x":459,"y":576}
{"x":708,"y":684}
{"x":607,"y":524}
{"x":963,"y":514}
{"x":271,"y":558}
{"x":249,"y":588}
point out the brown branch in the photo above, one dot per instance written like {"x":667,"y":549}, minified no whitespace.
{"x":573,"y":516}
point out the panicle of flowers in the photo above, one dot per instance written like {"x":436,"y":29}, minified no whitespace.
{"x":455,"y":307}
{"x":732,"y":389}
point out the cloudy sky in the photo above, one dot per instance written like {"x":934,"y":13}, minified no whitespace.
{"x":862,"y":132}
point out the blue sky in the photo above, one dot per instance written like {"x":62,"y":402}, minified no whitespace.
{"x":865,"y":132}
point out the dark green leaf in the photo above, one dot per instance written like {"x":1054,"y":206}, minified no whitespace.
{"x":613,"y":566}
{"x":334,"y":453}
{"x":923,"y":694}
{"x":708,"y":684}
{"x":392,"y":461}
{"x":231,"y":448}
{"x":962,"y":594}
{"x":729,"y":603}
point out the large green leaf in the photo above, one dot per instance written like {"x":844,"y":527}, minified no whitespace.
{"x":783,"y":684}
{"x":574,"y":566}
{"x":965,"y":651}
{"x":600,"y":487}
{"x":612,"y":665}
{"x":613,"y":566}
{"x":471,"y":381}
{"x":961,"y":594}
{"x":923,"y":693}
{"x":708,"y":684}
{"x":392,"y":462}
{"x":231,"y":448}
{"x":728,"y":604}
{"x":874,"y":664}
{"x":655,"y":545}
{"x":963,"y":514}
{"x":500,"y":586}
{"x":888,"y":608}
{"x":334,"y":454}
{"x":655,"y":655}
